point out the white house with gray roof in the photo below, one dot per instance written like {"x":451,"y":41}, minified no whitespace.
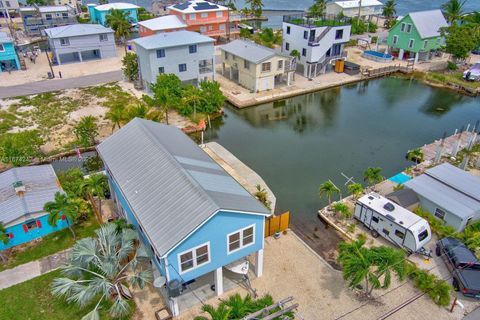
{"x":187,"y":54}
{"x":81,"y":42}
{"x":256,"y":67}
{"x":193,"y":217}
{"x":23,"y":194}
{"x":452,"y":195}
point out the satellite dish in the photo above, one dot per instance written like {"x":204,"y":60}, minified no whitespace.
{"x":159,"y":282}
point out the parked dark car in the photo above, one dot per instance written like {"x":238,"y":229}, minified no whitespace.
{"x":463,"y":264}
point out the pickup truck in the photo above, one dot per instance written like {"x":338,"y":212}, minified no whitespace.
{"x":463,"y":264}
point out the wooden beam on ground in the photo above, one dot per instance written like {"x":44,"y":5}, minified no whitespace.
{"x":266,"y":310}
{"x":281,"y":312}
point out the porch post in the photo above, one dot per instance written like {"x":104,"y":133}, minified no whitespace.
{"x":173,"y":304}
{"x":259,"y":263}
{"x":400,"y":54}
{"x":416,"y":57}
{"x":218,"y":276}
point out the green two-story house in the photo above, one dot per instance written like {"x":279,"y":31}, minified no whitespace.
{"x":417,"y":35}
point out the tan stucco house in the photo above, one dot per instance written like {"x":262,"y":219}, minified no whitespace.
{"x":256,"y":67}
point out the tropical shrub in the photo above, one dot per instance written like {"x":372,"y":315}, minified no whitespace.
{"x":437,"y":289}
{"x":437,"y":226}
{"x":342,"y":209}
{"x":20,"y":148}
{"x":130,"y":66}
{"x":72,"y":182}
{"x":86,"y":130}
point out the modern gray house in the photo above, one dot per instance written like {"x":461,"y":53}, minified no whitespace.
{"x":81,"y":42}
{"x":449,"y":193}
{"x":38,"y":18}
{"x":189,"y":55}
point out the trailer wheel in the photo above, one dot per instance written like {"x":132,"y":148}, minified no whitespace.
{"x":437,"y":251}
{"x":455,"y":285}
{"x":374,"y":233}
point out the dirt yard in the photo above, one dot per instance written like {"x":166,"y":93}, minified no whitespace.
{"x":293,"y":269}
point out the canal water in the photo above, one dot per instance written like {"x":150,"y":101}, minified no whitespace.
{"x":298,"y":143}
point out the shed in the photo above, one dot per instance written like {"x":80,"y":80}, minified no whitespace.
{"x":406,"y":198}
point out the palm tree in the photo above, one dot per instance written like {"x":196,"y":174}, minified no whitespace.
{"x":389,"y":9}
{"x":118,"y":21}
{"x":415,"y":155}
{"x":116,"y":115}
{"x":328,"y":189}
{"x":318,"y":9}
{"x":355,"y":189}
{"x":239,"y":307}
{"x":144,"y":111}
{"x":96,"y":185}
{"x":220,"y":313}
{"x":343,"y":209}
{"x":86,"y":130}
{"x":370,"y":265}
{"x":60,"y":207}
{"x":372,"y":175}
{"x":98,"y":269}
{"x":193,"y":96}
{"x":453,"y":10}
{"x":255,"y":7}
{"x":167,"y":91}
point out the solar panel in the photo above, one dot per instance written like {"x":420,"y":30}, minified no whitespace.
{"x":205,"y":6}
{"x":182,"y":6}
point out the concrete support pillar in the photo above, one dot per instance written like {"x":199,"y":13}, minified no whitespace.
{"x":173,"y":304}
{"x":218,"y":276}
{"x":416,"y":57}
{"x":259,"y":263}
{"x":400,"y":54}
{"x":213,"y":68}
{"x":80,"y":56}
{"x":231,"y":73}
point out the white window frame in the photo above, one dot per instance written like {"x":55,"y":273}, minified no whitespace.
{"x":219,"y":14}
{"x":192,"y":16}
{"x":103,"y":37}
{"x":425,"y":44}
{"x":204,"y":15}
{"x":409,"y":28}
{"x":194,"y":258}
{"x":403,"y":27}
{"x":64,"y":42}
{"x":395,"y":39}
{"x":241,"y":247}
{"x":442,"y":212}
{"x":412,"y":41}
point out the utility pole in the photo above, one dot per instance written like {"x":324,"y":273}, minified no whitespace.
{"x":50,"y":64}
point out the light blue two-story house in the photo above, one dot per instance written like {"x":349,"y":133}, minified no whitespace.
{"x":194,"y":217}
{"x":23,"y":193}
{"x":99,"y":13}
{"x":8,"y":56}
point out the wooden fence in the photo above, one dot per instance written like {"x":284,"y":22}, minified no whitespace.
{"x":277,"y":223}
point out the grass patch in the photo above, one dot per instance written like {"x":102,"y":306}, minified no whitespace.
{"x":455,"y":78}
{"x":52,"y":243}
{"x":32,"y":300}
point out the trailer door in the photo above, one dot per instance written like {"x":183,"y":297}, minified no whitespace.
{"x":367,"y":215}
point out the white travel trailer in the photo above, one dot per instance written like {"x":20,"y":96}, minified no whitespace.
{"x":393,"y":222}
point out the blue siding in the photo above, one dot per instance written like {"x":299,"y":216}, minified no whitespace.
{"x":9,"y":55}
{"x":214,"y":231}
{"x":20,"y":236}
{"x":101,"y":16}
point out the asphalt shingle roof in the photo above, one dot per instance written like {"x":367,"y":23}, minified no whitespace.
{"x":171,"y":185}
{"x":41,"y":185}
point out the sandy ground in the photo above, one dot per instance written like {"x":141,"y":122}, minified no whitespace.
{"x":292,"y":269}
{"x":38,"y":71}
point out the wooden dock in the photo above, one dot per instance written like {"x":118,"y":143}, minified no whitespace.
{"x":385,"y":71}
{"x":449,"y":145}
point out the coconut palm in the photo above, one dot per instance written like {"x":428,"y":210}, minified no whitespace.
{"x":61,"y":207}
{"x":99,"y":269}
{"x":117,"y":115}
{"x":318,"y":9}
{"x":453,"y":10}
{"x":239,"y":307}
{"x":328,"y":189}
{"x":193,"y":96}
{"x":144,"y":111}
{"x":220,"y":313}
{"x":389,"y":9}
{"x":415,"y":155}
{"x":389,"y":261}
{"x":355,"y":189}
{"x":118,"y":21}
{"x":373,"y":175}
{"x":96,"y":185}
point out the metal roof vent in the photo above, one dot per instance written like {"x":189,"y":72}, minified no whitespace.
{"x":370,"y":197}
{"x":19,"y":187}
{"x":389,"y":206}
{"x":401,"y":222}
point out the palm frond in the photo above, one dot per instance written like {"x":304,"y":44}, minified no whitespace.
{"x":119,"y":307}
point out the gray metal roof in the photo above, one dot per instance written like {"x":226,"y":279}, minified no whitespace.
{"x":4,"y":38}
{"x":450,"y":188}
{"x":250,"y":51}
{"x":73,"y":30}
{"x":172,"y":185}
{"x":41,"y":185}
{"x":428,"y":23}
{"x":172,"y":39}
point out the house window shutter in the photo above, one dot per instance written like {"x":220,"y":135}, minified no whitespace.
{"x":10,"y":235}
{"x":25,"y":228}
{"x":39,"y":224}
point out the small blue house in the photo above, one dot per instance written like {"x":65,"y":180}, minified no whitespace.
{"x":99,"y":13}
{"x":189,"y":211}
{"x":8,"y":56}
{"x":23,"y":193}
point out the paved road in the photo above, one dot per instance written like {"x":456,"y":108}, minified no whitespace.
{"x":32,"y":269}
{"x":474,"y":315}
{"x":60,"y":84}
